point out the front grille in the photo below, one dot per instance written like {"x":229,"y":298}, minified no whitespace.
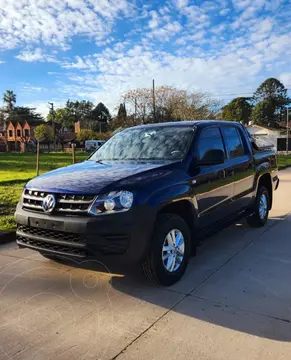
{"x":65,"y":203}
{"x":51,"y":234}
{"x":52,"y":248}
{"x":71,"y":243}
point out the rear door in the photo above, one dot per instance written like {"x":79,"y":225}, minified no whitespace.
{"x":241,"y":165}
{"x":212,"y":189}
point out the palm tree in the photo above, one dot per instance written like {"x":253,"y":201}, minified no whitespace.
{"x":10,"y":99}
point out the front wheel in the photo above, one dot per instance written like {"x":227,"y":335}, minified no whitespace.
{"x":261,"y":209}
{"x":170,"y":250}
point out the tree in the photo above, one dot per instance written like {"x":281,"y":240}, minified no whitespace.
{"x":44,"y":132}
{"x":10,"y":99}
{"x":100,"y":117}
{"x":62,"y":116}
{"x":239,"y":109}
{"x":171,"y":104}
{"x":84,"y":135}
{"x":261,"y":114}
{"x":82,"y":111}
{"x":21,"y":113}
{"x":199,"y":106}
{"x":272,"y":95}
{"x":101,"y":113}
{"x":122,"y":114}
{"x":272,"y":90}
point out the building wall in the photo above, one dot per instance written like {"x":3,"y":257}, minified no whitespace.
{"x":269,"y":135}
{"x":26,"y":130}
{"x":77,"y":127}
{"x":10,"y":132}
{"x":18,"y":135}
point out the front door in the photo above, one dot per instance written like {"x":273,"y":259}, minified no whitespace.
{"x":212,"y":185}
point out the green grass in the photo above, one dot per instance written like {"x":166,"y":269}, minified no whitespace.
{"x":22,"y":166}
{"x":7,"y":223}
{"x":284,"y":161}
{"x":16,"y":169}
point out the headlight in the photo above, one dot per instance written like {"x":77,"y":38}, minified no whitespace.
{"x":112,"y":203}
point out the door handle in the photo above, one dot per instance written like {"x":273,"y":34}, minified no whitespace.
{"x":222,"y":174}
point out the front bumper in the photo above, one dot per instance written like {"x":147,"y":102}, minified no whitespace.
{"x":122,"y":238}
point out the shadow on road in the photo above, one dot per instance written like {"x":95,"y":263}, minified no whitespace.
{"x":229,"y":283}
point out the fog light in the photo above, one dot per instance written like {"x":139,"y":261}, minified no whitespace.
{"x":109,"y":205}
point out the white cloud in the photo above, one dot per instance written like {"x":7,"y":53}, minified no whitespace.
{"x":166,"y":32}
{"x":42,"y":107}
{"x":80,"y":64}
{"x":55,"y":22}
{"x":193,"y":38}
{"x":177,"y":43}
{"x":181,"y":3}
{"x":35,"y":55}
{"x":262,"y":29}
{"x":195,"y":14}
{"x":224,"y":12}
{"x":2,"y":62}
{"x":154,"y":22}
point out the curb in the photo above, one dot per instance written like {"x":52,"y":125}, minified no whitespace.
{"x":7,"y":236}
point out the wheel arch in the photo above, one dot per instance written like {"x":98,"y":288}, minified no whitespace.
{"x":266,"y":180}
{"x":186,"y":210}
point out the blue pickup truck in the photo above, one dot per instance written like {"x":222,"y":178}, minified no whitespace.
{"x":144,"y":196}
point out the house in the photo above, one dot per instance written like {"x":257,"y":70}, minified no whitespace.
{"x":3,"y":140}
{"x":20,"y":135}
{"x":277,"y":137}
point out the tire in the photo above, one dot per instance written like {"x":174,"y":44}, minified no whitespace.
{"x":259,"y":219}
{"x":155,"y":266}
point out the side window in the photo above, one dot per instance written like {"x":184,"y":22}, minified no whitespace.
{"x":210,"y":139}
{"x":233,"y":142}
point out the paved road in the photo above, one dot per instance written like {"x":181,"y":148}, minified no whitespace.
{"x":234,"y":302}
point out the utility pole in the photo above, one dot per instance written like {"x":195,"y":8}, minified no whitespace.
{"x":53,"y":123}
{"x":135,"y":108}
{"x":154,"y":101}
{"x":37,"y":157}
{"x":287,"y":138}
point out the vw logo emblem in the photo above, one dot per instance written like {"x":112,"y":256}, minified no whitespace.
{"x":49,"y":203}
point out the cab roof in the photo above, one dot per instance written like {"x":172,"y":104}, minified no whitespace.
{"x":193,"y":123}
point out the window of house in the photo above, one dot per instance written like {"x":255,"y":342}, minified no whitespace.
{"x":26,"y":132}
{"x":18,"y":132}
{"x":233,"y":142}
{"x":10,"y":133}
{"x":210,"y":139}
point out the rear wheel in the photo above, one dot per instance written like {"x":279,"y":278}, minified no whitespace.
{"x":261,"y":208}
{"x":170,"y":250}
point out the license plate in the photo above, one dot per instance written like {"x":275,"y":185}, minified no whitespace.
{"x":46,"y":224}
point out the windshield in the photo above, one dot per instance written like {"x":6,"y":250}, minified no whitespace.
{"x":150,"y":143}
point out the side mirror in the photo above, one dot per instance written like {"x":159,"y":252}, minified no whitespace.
{"x":212,"y":157}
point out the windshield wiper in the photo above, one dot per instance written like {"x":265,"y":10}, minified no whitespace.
{"x":99,"y":161}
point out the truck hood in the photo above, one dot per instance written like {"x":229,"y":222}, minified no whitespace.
{"x":91,"y":177}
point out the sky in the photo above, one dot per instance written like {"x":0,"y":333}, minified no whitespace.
{"x":54,"y":50}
